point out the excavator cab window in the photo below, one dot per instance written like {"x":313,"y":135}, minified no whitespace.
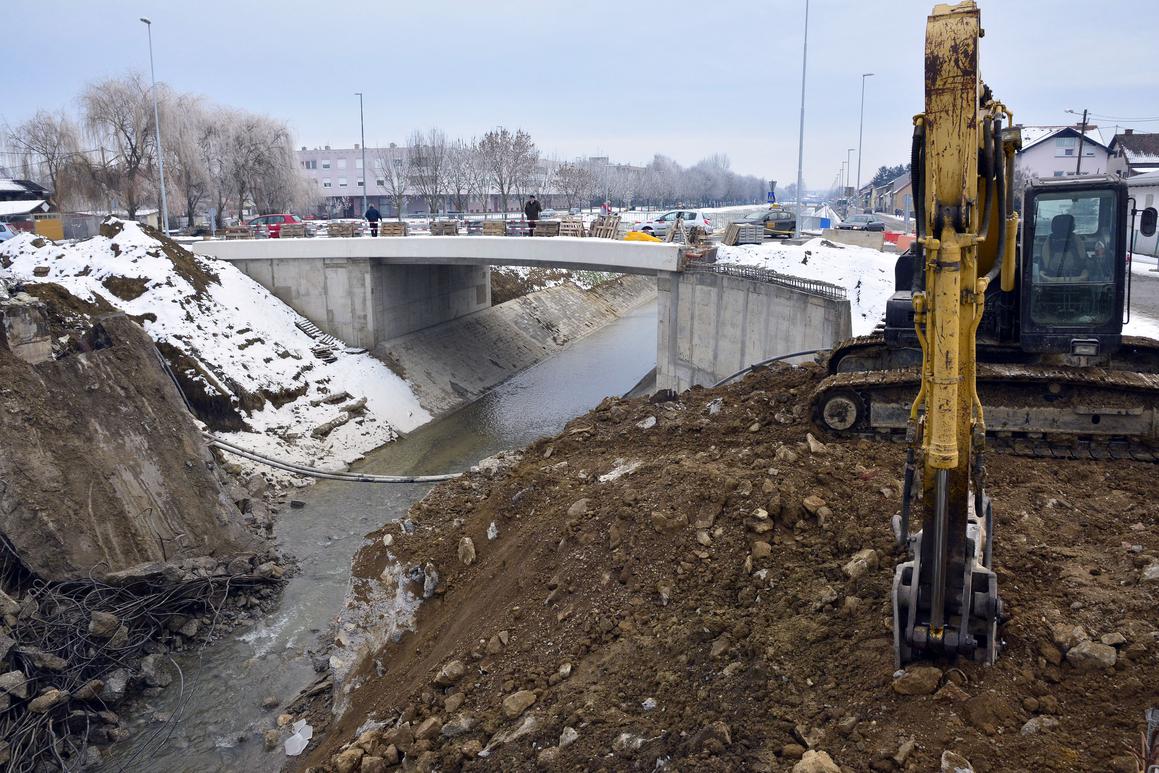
{"x":1072,"y":265}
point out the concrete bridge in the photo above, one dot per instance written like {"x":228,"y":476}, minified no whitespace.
{"x":365,"y":290}
{"x":370,"y":291}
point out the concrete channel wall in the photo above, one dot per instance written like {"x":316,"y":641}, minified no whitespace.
{"x":454,"y":363}
{"x":713,"y":324}
{"x":366,"y":300}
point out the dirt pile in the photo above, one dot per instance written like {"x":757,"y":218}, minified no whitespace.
{"x":701,"y":584}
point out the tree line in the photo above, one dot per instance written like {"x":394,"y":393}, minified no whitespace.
{"x":105,"y":157}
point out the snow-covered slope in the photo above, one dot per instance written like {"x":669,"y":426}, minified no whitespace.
{"x":866,"y":274}
{"x":232,"y":340}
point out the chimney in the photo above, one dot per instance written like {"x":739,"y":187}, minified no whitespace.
{"x":327,"y":147}
{"x":1128,"y":131}
{"x":356,"y":146}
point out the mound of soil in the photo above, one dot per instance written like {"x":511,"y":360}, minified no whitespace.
{"x":699,"y":585}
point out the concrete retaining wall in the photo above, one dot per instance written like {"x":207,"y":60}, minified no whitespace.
{"x":712,"y":325}
{"x":454,"y":363}
{"x":872,"y":239}
{"x":365,"y":300}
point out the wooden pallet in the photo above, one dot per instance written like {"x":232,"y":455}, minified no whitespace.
{"x":546,"y":228}
{"x":444,"y":228}
{"x":292,"y":231}
{"x":494,"y":228}
{"x":393,"y":228}
{"x":239,"y":232}
{"x":340,"y":230}
{"x":606,"y":227}
{"x":571,"y":228}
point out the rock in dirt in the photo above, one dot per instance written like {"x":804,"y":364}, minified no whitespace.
{"x":1039,"y":724}
{"x":816,"y":762}
{"x":714,"y":737}
{"x":517,"y":703}
{"x":1089,"y":655}
{"x":569,"y":736}
{"x":578,"y":508}
{"x":862,"y":562}
{"x":952,"y":762}
{"x":156,"y":670}
{"x":988,"y":712}
{"x":918,"y":680}
{"x":1114,"y":639}
{"x":459,"y":725}
{"x":14,"y":683}
{"x":428,"y":728}
{"x":102,"y":625}
{"x":47,"y":701}
{"x":1066,"y":635}
{"x":815,"y":445}
{"x":1151,"y":573}
{"x":116,"y":683}
{"x":8,"y":605}
{"x":347,"y":761}
{"x":467,"y":551}
{"x":450,"y":674}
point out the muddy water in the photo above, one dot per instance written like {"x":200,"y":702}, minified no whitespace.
{"x":214,"y":712}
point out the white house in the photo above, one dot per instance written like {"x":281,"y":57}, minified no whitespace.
{"x":1134,"y":153}
{"x":1053,"y":151}
{"x":1145,"y":189}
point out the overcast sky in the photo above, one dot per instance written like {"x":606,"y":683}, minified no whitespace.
{"x":626,"y":79}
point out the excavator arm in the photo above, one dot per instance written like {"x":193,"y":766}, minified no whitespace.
{"x":945,"y":599}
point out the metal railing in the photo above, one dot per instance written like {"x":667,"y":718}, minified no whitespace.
{"x":812,"y":286}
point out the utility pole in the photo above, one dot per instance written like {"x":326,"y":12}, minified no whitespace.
{"x":861,"y":128}
{"x":1082,"y":135}
{"x":362,"y":129}
{"x":848,"y":169}
{"x":157,"y":127}
{"x":801,"y":135}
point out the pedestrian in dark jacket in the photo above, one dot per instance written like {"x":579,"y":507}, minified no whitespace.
{"x":372,"y":217}
{"x":532,"y":210}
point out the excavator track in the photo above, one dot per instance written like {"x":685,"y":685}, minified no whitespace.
{"x":1030,"y":410}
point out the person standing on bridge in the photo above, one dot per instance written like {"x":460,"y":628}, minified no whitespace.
{"x":532,"y":210}
{"x":372,"y":216}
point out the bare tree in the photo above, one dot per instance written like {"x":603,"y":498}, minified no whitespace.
{"x":49,"y":140}
{"x":576,"y":183}
{"x":391,"y":163}
{"x":118,"y":116}
{"x":187,"y":127}
{"x":427,"y":167}
{"x":510,"y":159}
{"x":460,"y":174}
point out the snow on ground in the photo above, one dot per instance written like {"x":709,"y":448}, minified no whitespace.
{"x":866,"y":274}
{"x":244,"y":337}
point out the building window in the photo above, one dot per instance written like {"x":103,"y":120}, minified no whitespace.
{"x":325,"y":182}
{"x":341,"y":182}
{"x":341,"y":163}
{"x":381,"y":183}
{"x":325,"y":163}
{"x":1059,"y":174}
{"x":358,"y":184}
{"x":358,"y":163}
{"x":310,"y":164}
{"x":1065,"y":146}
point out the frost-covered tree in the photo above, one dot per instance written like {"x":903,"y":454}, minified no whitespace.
{"x":391,"y":166}
{"x":118,"y":119}
{"x":49,"y":141}
{"x":509,"y":158}
{"x":427,"y":159}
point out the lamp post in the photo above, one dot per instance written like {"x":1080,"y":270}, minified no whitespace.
{"x":157,"y":127}
{"x":848,"y":167}
{"x":362,"y":130}
{"x":1078,"y":167}
{"x":801,"y":135}
{"x":861,"y":128}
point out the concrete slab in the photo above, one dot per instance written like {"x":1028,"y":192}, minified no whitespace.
{"x":565,"y":252}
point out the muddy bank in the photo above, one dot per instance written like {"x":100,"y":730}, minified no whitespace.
{"x":696,"y":584}
{"x":452,"y":364}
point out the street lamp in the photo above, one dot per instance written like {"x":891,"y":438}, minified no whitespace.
{"x":157,"y":127}
{"x":861,"y":128}
{"x":801,"y":135}
{"x":848,"y":167}
{"x":1078,"y":167}
{"x":362,"y":128}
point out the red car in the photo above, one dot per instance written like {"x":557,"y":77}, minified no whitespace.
{"x":271,"y":225}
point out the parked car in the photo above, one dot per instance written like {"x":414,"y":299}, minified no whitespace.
{"x":548,"y":214}
{"x":6,"y":232}
{"x":778,"y":222}
{"x":271,"y":225}
{"x":659,"y":227}
{"x":861,"y":223}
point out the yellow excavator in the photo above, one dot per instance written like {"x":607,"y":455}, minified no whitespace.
{"x":1040,"y":327}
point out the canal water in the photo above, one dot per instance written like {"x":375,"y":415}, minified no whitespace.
{"x":212,"y":719}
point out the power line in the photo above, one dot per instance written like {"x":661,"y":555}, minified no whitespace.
{"x":1124,"y":120}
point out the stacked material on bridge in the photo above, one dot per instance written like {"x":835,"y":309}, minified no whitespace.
{"x":242,"y":361}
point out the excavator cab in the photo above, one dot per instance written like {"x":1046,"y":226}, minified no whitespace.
{"x":1073,"y":283}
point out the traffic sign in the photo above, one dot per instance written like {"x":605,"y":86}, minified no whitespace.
{"x":772,"y":197}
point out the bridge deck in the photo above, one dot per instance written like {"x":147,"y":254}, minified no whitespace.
{"x":562,"y":252}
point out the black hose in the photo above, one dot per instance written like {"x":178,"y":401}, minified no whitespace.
{"x":1003,"y":203}
{"x":298,"y":469}
{"x":987,"y":175}
{"x":756,"y":365}
{"x":917,"y":171}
